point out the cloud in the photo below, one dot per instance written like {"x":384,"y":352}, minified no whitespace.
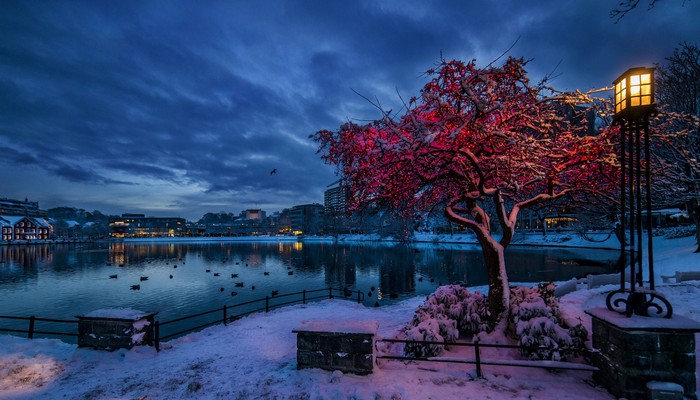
{"x":185,"y":106}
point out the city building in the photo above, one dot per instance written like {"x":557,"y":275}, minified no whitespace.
{"x":17,"y":227}
{"x":17,"y":207}
{"x":306,"y":219}
{"x":335,"y":203}
{"x":139,"y":225}
{"x":253,"y":214}
{"x":23,"y":220}
{"x":335,"y":199}
{"x":283,"y":222}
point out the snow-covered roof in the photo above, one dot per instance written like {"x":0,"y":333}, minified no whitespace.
{"x":15,"y":219}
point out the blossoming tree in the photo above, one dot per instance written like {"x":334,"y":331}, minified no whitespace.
{"x":483,"y":143}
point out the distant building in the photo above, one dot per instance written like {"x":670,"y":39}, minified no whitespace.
{"x":306,"y":219}
{"x":17,"y":227}
{"x":139,"y":225}
{"x":335,"y":199}
{"x":335,"y":205}
{"x":23,"y":220}
{"x":17,"y":207}
{"x":283,"y":222}
{"x":255,"y":214}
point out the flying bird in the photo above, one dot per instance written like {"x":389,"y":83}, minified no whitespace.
{"x":274,"y":171}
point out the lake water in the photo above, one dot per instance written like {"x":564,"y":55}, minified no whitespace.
{"x":62,"y":281}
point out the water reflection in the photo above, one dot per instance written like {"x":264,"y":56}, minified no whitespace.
{"x":65,"y":280}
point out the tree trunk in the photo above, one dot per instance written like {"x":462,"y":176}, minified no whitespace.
{"x":494,"y":261}
{"x":499,"y":291}
{"x":543,"y":225}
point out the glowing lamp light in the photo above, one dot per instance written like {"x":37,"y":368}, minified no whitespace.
{"x":634,"y":93}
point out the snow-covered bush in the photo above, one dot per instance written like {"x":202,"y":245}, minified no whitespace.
{"x":535,"y":324}
{"x":675,"y":232}
{"x":429,"y":330}
{"x":450,"y":311}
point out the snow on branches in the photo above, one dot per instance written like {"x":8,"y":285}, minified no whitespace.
{"x":472,"y":134}
{"x":475,"y":136}
{"x":534,"y":324}
{"x":446,"y":314}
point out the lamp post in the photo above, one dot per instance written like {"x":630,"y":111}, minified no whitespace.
{"x":634,"y":105}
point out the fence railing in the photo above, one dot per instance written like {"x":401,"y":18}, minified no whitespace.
{"x":195,"y":322}
{"x":479,"y":360}
{"x":227,"y":314}
{"x":33,"y":329}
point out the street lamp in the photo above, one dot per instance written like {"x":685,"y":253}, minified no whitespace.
{"x":634,"y":94}
{"x":634,"y":105}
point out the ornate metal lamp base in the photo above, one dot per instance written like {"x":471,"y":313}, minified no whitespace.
{"x":639,"y":302}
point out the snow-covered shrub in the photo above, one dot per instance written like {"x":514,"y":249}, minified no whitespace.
{"x":535,"y":323}
{"x":429,"y":330}
{"x":579,"y":335}
{"x":452,"y":310}
{"x":474,"y":316}
{"x":675,"y":232}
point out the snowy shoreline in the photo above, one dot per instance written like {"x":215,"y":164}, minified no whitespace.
{"x":529,"y":238}
{"x":533,"y":239}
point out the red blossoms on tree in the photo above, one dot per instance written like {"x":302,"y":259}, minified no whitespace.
{"x":481,"y":142}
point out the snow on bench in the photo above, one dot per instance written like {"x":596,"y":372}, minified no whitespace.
{"x":682,"y":276}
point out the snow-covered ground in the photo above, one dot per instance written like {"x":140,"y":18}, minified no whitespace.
{"x":255,"y":358}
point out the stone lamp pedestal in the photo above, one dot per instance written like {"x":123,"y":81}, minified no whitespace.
{"x":632,"y":351}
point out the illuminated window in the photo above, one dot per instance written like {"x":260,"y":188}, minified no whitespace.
{"x":634,"y":92}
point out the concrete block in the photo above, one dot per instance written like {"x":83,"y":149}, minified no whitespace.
{"x":664,"y":391}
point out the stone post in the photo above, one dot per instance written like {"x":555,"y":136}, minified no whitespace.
{"x":116,"y":328}
{"x":632,"y":351}
{"x":346,"y":346}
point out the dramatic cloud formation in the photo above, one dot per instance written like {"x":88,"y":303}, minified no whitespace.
{"x":182,"y":108}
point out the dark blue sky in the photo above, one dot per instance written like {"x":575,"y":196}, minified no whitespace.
{"x":182,"y":108}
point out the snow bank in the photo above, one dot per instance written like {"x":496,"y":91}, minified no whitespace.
{"x":255,"y":358}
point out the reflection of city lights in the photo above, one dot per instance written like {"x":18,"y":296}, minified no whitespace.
{"x":298,"y":246}
{"x":25,"y":257}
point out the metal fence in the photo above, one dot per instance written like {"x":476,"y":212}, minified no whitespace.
{"x":34,"y":326}
{"x":190,"y":323}
{"x":227,"y":314}
{"x":479,"y":360}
